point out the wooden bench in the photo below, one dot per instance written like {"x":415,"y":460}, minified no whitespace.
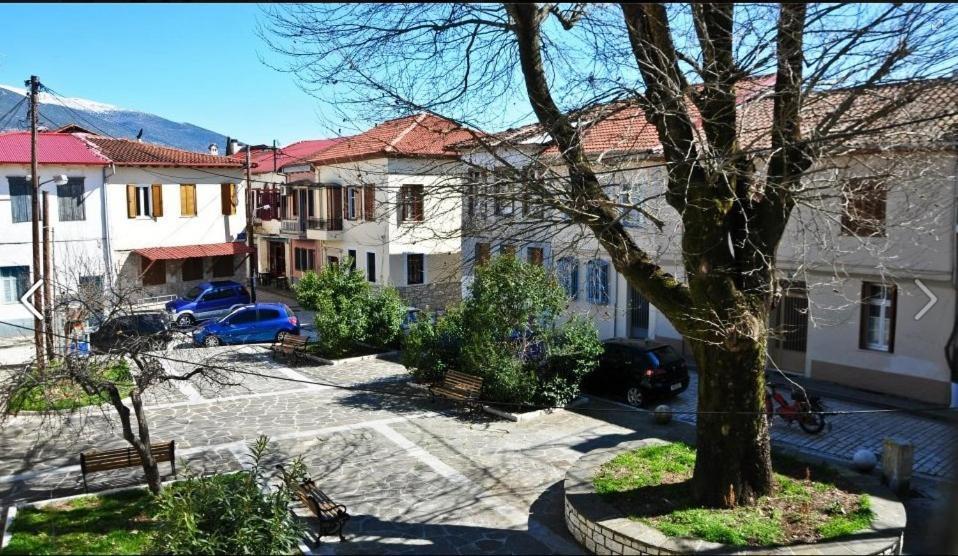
{"x":287,"y":344}
{"x":458,"y":386}
{"x":332,"y":516}
{"x":124,"y":457}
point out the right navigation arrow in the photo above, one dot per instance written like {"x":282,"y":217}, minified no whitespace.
{"x":25,"y":299}
{"x":932,"y":299}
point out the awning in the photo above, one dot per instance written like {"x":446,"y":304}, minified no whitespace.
{"x":190,"y":251}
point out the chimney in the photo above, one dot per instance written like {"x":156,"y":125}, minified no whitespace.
{"x":214,"y":150}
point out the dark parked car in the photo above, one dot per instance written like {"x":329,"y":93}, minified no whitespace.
{"x":257,"y":322}
{"x":139,"y":331}
{"x":207,"y":300}
{"x":638,"y":371}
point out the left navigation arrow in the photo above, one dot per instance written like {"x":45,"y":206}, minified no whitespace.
{"x":25,"y":299}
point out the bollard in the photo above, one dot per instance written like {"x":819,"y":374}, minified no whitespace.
{"x":897,"y":458}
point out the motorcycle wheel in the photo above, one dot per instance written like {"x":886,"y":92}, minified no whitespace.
{"x":812,"y":423}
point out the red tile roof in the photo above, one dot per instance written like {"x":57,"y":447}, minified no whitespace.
{"x":419,"y":135}
{"x":127,"y":152}
{"x":190,"y":251}
{"x":53,"y":148}
{"x":294,"y":153}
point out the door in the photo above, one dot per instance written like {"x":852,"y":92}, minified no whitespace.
{"x":277,"y":258}
{"x":241,"y":326}
{"x":334,"y":202}
{"x":789,"y":329}
{"x":638,"y":315}
{"x":214,"y":302}
{"x":267,"y":325}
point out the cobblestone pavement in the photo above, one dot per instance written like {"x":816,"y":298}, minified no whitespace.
{"x":935,"y":440}
{"x":417,"y":476}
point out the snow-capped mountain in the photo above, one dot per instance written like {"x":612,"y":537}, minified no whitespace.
{"x":105,"y":119}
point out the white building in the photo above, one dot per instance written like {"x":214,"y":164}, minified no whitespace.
{"x":159,"y":217}
{"x":852,"y":312}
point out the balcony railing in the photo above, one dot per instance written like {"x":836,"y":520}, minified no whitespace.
{"x":293,"y":226}
{"x":328,"y":224}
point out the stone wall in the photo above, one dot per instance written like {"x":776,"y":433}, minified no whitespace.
{"x":602,"y":529}
{"x":437,"y":295}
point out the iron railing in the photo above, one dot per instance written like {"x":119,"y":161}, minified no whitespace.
{"x":328,"y":224}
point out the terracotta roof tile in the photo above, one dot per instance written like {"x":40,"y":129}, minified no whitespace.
{"x":127,"y":152}
{"x":190,"y":251}
{"x":418,"y":135}
{"x":294,"y":153}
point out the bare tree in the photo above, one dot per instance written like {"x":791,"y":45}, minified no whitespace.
{"x":123,"y":374}
{"x":736,"y":153}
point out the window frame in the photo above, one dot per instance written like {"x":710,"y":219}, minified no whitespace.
{"x":567,"y":271}
{"x":598,"y":281}
{"x":887,"y":303}
{"x":183,"y":269}
{"x":480,"y":257}
{"x":352,"y":205}
{"x":864,"y":211}
{"x":221,"y":260}
{"x":18,"y":277}
{"x":371,"y":267}
{"x":188,"y":200}
{"x":152,"y":272}
{"x":412,"y":203}
{"x":75,"y":208}
{"x":21,"y":204}
{"x":304,"y":259}
{"x":422,"y":269}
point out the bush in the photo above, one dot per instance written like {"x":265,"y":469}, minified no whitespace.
{"x":348,"y":311}
{"x":507,"y":332}
{"x":230,"y":514}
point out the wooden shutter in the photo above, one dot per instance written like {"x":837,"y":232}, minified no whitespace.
{"x":157,"y":193}
{"x":131,"y":201}
{"x":234,"y":198}
{"x":225,"y":198}
{"x":369,"y":202}
{"x":418,"y":202}
{"x":344,"y":193}
{"x":187,"y":199}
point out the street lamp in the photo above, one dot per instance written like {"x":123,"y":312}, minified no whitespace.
{"x":59,"y":179}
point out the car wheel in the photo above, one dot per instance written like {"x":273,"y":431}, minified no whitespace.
{"x":635,"y":396}
{"x":211,"y":341}
{"x":185,"y":320}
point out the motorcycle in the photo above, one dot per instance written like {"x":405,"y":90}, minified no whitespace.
{"x":807,"y":410}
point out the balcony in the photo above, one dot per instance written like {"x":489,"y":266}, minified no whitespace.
{"x":293,"y":227}
{"x":324,"y":228}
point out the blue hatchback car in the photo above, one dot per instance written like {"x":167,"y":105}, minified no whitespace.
{"x":207,"y":300}
{"x":257,"y":322}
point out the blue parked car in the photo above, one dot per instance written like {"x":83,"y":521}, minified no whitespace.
{"x":257,"y":322}
{"x":207,"y":300}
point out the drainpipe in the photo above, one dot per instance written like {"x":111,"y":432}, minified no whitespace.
{"x":105,"y":219}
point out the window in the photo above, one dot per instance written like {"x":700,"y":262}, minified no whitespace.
{"x":371,"y":267}
{"x":535,"y":255}
{"x":352,"y":203}
{"x":567,"y":270}
{"x":483,"y":253}
{"x":243,"y":316}
{"x":507,"y":249}
{"x":863,"y":207}
{"x":267,"y":314}
{"x":228,"y":200}
{"x":223,"y":266}
{"x":20,"y":200}
{"x":70,"y":201}
{"x":598,"y":282}
{"x":415,"y":269}
{"x":144,"y":200}
{"x":187,"y":199}
{"x":410,"y":203}
{"x":369,"y":203}
{"x":153,"y":272}
{"x":13,"y":283}
{"x":878,"y":317}
{"x":332,"y":261}
{"x":627,"y":199}
{"x":192,"y":269}
{"x":352,"y":259}
{"x":304,"y":259}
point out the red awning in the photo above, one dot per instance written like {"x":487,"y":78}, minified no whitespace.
{"x":190,"y":251}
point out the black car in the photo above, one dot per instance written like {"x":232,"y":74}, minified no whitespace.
{"x":136,"y":332}
{"x":638,"y":370}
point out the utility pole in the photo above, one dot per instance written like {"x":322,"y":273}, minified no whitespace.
{"x":249,"y":227}
{"x":47,"y":275}
{"x":38,"y":335}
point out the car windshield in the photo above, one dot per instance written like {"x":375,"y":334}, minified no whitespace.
{"x":194,"y":292}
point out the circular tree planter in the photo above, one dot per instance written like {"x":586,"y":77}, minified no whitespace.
{"x":602,"y":529}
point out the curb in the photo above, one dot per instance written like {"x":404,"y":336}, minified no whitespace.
{"x":536,"y":414}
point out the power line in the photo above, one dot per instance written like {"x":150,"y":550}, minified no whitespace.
{"x":523,"y":405}
{"x":9,"y":113}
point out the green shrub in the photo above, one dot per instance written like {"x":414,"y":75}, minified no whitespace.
{"x":574,"y":352}
{"x":348,"y":311}
{"x":430,"y":350}
{"x":230,"y":514}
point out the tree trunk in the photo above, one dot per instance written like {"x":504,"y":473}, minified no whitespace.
{"x":150,"y":467}
{"x":733,"y":461}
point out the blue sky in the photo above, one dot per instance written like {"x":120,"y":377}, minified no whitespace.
{"x":194,"y":63}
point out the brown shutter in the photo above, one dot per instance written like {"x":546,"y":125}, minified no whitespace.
{"x":157,"y":192}
{"x":225,"y":198}
{"x":345,"y":197}
{"x":131,"y":201}
{"x":369,"y":202}
{"x":419,"y":203}
{"x":234,"y":198}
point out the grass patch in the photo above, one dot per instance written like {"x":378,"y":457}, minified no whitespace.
{"x":118,"y":523}
{"x":653,"y":485}
{"x":40,"y":395}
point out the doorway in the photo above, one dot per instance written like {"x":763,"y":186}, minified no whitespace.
{"x":789,"y":329}
{"x":638,"y":315}
{"x":277,"y":258}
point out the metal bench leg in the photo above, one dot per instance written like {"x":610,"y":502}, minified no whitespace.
{"x":85,"y":489}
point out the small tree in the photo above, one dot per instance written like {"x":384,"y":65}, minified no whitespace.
{"x":348,"y":311}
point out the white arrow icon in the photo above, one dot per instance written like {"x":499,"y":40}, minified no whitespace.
{"x":25,"y":300}
{"x":932,"y":299}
